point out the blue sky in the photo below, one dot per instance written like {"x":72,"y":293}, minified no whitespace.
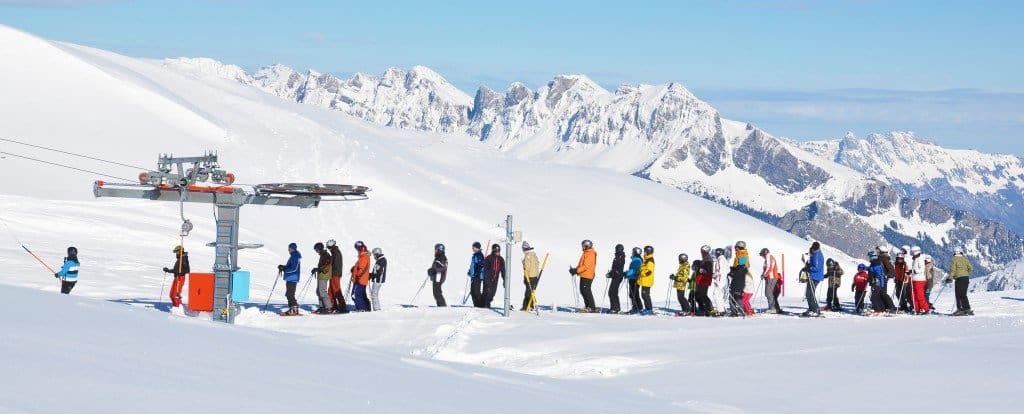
{"x":949,"y":70}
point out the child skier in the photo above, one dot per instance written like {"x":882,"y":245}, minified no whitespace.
{"x":179,"y":270}
{"x":834,"y":273}
{"x":682,"y":280}
{"x":68,"y":273}
{"x":860,"y":285}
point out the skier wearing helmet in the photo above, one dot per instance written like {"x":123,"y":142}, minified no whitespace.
{"x":738,"y":280}
{"x":360,"y":278}
{"x":531,"y":277}
{"x":682,"y":279}
{"x":322,"y":273}
{"x":334,"y":292}
{"x":179,"y":270}
{"x":378,"y":275}
{"x":617,"y":272}
{"x":918,"y":281}
{"x":585,"y":269}
{"x":859,"y":288}
{"x":632,"y":275}
{"x":960,"y":270}
{"x":476,"y":275}
{"x":705,"y":270}
{"x":437,"y":272}
{"x":646,"y":280}
{"x":772,"y":279}
{"x":494,"y":266}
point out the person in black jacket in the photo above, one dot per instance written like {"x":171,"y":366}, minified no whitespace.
{"x":378,"y":275}
{"x":334,"y":293}
{"x":179,"y":270}
{"x":438,"y":271}
{"x":494,"y":266}
{"x":617,"y":272}
{"x":834,"y":274}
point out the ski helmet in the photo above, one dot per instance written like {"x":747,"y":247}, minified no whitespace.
{"x":72,"y":251}
{"x":959,"y":251}
{"x":526,"y":245}
{"x":331,"y":243}
{"x":648,"y":250}
{"x":873,"y":255}
{"x":476,"y":245}
{"x":741,"y":245}
{"x":905,"y":249}
{"x":495,"y":248}
{"x":764,"y":251}
{"x":587,"y":244}
{"x":830,"y":262}
{"x":620,"y":248}
{"x":705,"y":249}
{"x":719,"y":252}
{"x":916,"y":250}
{"x":637,"y":251}
{"x":900,"y":255}
{"x":862,"y":267}
{"x":377,"y":251}
{"x":318,"y":246}
{"x":360,"y":245}
{"x":683,"y":258}
{"x":293,"y":246}
{"x":177,"y":250}
{"x":440,"y":247}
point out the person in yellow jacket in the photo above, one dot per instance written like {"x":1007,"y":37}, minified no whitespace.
{"x":585,"y":270}
{"x":682,"y":278}
{"x":647,"y":280}
{"x":531,"y":276}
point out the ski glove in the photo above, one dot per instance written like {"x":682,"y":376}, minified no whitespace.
{"x":572,"y":271}
{"x":946,"y":282}
{"x":167,"y":270}
{"x":673,"y":277}
{"x":280,"y":268}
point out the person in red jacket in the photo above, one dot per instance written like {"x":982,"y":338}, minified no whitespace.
{"x":705,"y":268}
{"x":179,"y":270}
{"x":860,"y":286}
{"x":361,"y":278}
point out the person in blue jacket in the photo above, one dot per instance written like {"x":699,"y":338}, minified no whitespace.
{"x":476,"y":275}
{"x":880,"y":300}
{"x":816,"y":271}
{"x":291,"y":278}
{"x":68,"y":273}
{"x":633,"y":276}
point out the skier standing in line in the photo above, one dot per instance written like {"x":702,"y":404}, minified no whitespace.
{"x":635,"y":262}
{"x":617,"y":272}
{"x":322,"y":273}
{"x":929,"y":272}
{"x":531,"y":276}
{"x":291,"y":278}
{"x":918,"y":280}
{"x":585,"y":269}
{"x":682,"y":280}
{"x":748,"y":293}
{"x":816,"y":273}
{"x":691,"y":287}
{"x":738,"y":279}
{"x":770,"y":274}
{"x":476,"y":275}
{"x":378,"y":275}
{"x":960,"y":270}
{"x":881,"y":302}
{"x":646,"y":280}
{"x":859,"y":286}
{"x":180,"y":269}
{"x":334,"y":292}
{"x":902,"y":276}
{"x":721,"y":290}
{"x":360,"y":278}
{"x":494,"y":266}
{"x":834,"y":274}
{"x":438,"y":272}
{"x":705,"y":270}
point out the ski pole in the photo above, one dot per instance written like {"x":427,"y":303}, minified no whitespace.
{"x":163,"y":282}
{"x":271,"y":294}
{"x":422,"y":285}
{"x":302,"y":295}
{"x":668,"y":293}
{"x":465,"y":292}
{"x":606,"y":287}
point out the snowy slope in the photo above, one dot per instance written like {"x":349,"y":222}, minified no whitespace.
{"x":1009,"y":278}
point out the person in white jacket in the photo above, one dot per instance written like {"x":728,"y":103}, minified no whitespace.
{"x":919,"y":280}
{"x":721,"y":285}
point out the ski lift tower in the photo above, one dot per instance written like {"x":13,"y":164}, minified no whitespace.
{"x":201,"y":180}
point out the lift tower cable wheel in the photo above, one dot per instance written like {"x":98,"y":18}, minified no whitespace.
{"x":201,"y":180}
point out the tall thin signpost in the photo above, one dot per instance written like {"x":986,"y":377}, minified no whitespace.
{"x":509,"y":239}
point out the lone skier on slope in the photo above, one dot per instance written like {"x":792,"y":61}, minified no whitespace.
{"x":438,"y":272}
{"x":180,"y":269}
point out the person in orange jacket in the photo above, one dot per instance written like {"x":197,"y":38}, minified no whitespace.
{"x":361,"y":278}
{"x":585,"y":270}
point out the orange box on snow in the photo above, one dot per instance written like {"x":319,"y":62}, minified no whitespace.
{"x":200,"y":292}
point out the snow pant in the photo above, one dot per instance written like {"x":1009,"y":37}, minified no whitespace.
{"x":645,"y":294}
{"x":960,"y":285}
{"x":811,"y":295}
{"x":359,"y":297}
{"x":691,"y":297}
{"x":322,"y":289}
{"x":877,"y":304}
{"x":903,"y":292}
{"x":704,"y":306}
{"x":634,"y":295}
{"x":832,"y":298}
{"x":684,"y":304}
{"x":490,"y":289}
{"x":375,"y":295}
{"x":66,"y":286}
{"x":587,"y":293}
{"x":476,"y":292}
{"x":746,"y":303}
{"x":775,"y":296}
{"x":176,"y":286}
{"x":335,"y":295}
{"x":769,"y":292}
{"x":858,"y":300}
{"x":920,"y":300}
{"x":289,"y":293}
{"x":439,"y":294}
{"x":613,"y":294}
{"x":530,"y":287}
{"x":736,"y":285}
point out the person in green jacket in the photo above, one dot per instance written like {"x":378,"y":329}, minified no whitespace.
{"x":960,"y":271}
{"x":682,"y":279}
{"x":322,"y":273}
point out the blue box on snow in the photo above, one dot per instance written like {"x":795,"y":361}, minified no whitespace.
{"x":240,"y":286}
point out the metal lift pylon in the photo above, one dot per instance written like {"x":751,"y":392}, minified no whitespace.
{"x":200,"y":180}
